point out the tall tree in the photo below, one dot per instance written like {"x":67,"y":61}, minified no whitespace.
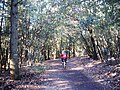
{"x":14,"y":69}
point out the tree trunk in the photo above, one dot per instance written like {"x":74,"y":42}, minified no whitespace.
{"x":6,"y":58}
{"x":69,"y":46}
{"x":87,"y":46}
{"x":45,"y":55}
{"x":56,"y":52}
{"x":0,"y":37}
{"x":118,"y":46}
{"x":100,"y":52}
{"x":95,"y":57}
{"x":0,"y":49}
{"x":73,"y":49}
{"x":61,"y":42}
{"x":118,"y":49}
{"x":14,"y":69}
{"x":48,"y":53}
{"x":69,"y":50}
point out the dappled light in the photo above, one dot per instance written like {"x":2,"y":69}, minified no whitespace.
{"x":63,"y":84}
{"x":59,"y":44}
{"x":73,"y":77}
{"x":29,"y":86}
{"x":78,"y":68}
{"x":53,"y":70}
{"x":55,"y":64}
{"x":92,"y":64}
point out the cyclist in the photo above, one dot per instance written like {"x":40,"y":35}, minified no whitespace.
{"x":63,"y":57}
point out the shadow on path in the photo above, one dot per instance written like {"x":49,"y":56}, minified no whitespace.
{"x":56,"y":78}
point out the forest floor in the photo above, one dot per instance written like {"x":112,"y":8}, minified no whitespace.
{"x":82,"y":73}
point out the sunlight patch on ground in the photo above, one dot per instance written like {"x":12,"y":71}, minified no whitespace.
{"x":77,"y":68}
{"x":30,"y":86}
{"x":53,"y":70}
{"x":92,"y":64}
{"x":101,"y":80}
{"x":50,"y":79}
{"x":51,"y":88}
{"x":66,"y":88}
{"x":55,"y":64}
{"x":97,"y":62}
{"x":57,"y":88}
{"x":62,"y":84}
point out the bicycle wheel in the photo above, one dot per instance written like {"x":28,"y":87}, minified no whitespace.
{"x":64,"y":65}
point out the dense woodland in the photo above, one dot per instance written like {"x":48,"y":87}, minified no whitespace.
{"x":33,"y":31}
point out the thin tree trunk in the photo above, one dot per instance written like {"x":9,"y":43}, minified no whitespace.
{"x":14,"y":68}
{"x":45,"y":55}
{"x":69,"y":50}
{"x":61,"y":45}
{"x":7,"y":56}
{"x":44,"y":52}
{"x":48,"y":53}
{"x":56,"y":52}
{"x":0,"y":49}
{"x":118,"y":46}
{"x":87,"y":46}
{"x":0,"y":37}
{"x":69,"y":47}
{"x":95,"y":57}
{"x":73,"y":49}
{"x":100,"y":52}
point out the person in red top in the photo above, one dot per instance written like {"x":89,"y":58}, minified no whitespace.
{"x":63,"y":57}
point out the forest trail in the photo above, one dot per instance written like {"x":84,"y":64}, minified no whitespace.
{"x":56,"y":78}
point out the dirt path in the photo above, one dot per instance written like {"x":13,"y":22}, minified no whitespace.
{"x":56,"y":78}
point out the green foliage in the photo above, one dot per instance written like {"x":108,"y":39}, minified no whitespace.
{"x":44,"y":23}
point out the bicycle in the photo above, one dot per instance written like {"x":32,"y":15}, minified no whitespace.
{"x":64,"y":63}
{"x":64,"y":57}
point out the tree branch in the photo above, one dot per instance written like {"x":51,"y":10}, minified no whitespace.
{"x":18,"y":3}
